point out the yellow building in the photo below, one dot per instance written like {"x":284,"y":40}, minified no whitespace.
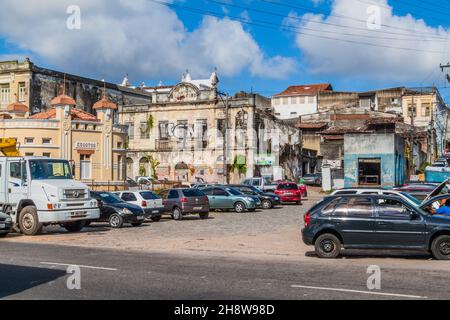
{"x":94,"y":144}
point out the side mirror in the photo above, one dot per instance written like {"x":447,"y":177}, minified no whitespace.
{"x":413,"y":215}
{"x":100,"y":203}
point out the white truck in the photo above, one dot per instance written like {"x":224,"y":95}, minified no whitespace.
{"x":39,"y":191}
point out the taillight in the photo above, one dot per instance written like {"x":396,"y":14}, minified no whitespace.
{"x":144,"y":204}
{"x":307,"y":219}
{"x":184,"y":200}
{"x":277,"y":192}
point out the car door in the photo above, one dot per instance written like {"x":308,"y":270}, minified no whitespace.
{"x":398,"y":225}
{"x":354,"y":219}
{"x":17,"y":182}
{"x":130,"y":198}
{"x":222,"y":198}
{"x":212,"y":200}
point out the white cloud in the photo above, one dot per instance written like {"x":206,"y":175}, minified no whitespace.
{"x":372,"y":62}
{"x":142,"y":38}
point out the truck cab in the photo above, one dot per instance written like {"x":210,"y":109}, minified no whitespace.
{"x":39,"y":191}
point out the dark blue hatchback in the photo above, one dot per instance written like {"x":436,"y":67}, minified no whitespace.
{"x":374,"y":222}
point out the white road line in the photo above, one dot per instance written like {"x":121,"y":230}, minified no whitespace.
{"x":363,"y":292}
{"x":81,"y":266}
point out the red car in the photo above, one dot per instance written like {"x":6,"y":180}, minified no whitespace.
{"x":289,"y":192}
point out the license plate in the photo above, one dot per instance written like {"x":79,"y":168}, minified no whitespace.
{"x":140,"y":218}
{"x":2,"y":226}
{"x":78,"y":214}
{"x":288,"y":194}
{"x":155,"y":211}
{"x":198,"y":208}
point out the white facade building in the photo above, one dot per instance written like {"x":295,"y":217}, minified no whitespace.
{"x":297,"y":101}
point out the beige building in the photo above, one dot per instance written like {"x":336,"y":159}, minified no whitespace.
{"x":183,"y":130}
{"x":94,"y":144}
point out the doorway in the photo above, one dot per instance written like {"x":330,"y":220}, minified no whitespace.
{"x":369,"y":172}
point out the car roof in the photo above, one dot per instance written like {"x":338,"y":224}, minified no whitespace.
{"x":384,"y":196}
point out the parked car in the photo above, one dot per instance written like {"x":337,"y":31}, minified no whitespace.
{"x":289,"y":192}
{"x":151,"y":203}
{"x":5,"y":225}
{"x":182,"y":202}
{"x":268,"y":200}
{"x":313,"y":179}
{"x":225,"y":198}
{"x":419,"y":190}
{"x":116,"y":212}
{"x":265,"y":183}
{"x":375,"y":222}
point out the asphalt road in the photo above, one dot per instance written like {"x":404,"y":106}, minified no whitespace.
{"x":30,"y":271}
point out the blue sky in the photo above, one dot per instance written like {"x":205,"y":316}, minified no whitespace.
{"x":304,"y":41}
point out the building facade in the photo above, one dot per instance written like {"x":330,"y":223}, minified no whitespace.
{"x":296,"y":101}
{"x":192,"y":134}
{"x":94,"y":144}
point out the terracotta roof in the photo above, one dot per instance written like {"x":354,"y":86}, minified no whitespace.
{"x":17,"y":107}
{"x":76,"y":114}
{"x":343,"y":130}
{"x":63,"y":100}
{"x":5,"y":116}
{"x":381,"y":121}
{"x":305,"y":89}
{"x":312,"y":125}
{"x":338,"y":137}
{"x":105,"y":104}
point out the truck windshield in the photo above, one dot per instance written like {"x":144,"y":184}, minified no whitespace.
{"x":50,"y":169}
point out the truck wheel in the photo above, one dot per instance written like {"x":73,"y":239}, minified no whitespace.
{"x":29,"y":222}
{"x":239,"y":207}
{"x":267,"y":204}
{"x":177,"y":214}
{"x":328,"y":246}
{"x":116,"y":221}
{"x":74,"y":226}
{"x":441,"y":248}
{"x":156,"y":218}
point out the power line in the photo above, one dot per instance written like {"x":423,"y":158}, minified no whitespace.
{"x":271,"y":26}
{"x":292,"y":6}
{"x":412,"y":37}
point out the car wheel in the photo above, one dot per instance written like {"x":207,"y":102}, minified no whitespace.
{"x":204,"y":216}
{"x":29,"y":222}
{"x":74,"y":226}
{"x":177,"y":214}
{"x":239,"y":207}
{"x":440,"y":248}
{"x":328,"y":246}
{"x":137,"y":224}
{"x":156,"y":218}
{"x":116,"y":221}
{"x":87,"y":223}
{"x":267,"y":204}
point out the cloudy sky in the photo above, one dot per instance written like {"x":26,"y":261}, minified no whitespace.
{"x":259,"y":45}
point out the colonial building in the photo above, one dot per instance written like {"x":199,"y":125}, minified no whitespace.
{"x":35,"y":87}
{"x":300,"y":100}
{"x":182,"y":136}
{"x":94,"y":144}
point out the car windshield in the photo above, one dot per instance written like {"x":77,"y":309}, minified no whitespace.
{"x":110,"y":198}
{"x":234,"y":192}
{"x":288,"y":186}
{"x":50,"y":169}
{"x":192,"y":193}
{"x":310,"y":175}
{"x":410,"y":197}
{"x":267,"y":180}
{"x":256,"y":190}
{"x":149,"y":196}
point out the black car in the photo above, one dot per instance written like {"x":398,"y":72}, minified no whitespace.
{"x":375,"y":222}
{"x":268,"y":200}
{"x":5,"y":225}
{"x":116,"y":211}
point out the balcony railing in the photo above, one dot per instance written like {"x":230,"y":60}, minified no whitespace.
{"x":177,"y":144}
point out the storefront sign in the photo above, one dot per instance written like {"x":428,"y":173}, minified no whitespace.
{"x":265,"y":160}
{"x":85,"y":145}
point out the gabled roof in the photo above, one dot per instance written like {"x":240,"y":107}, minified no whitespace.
{"x":63,"y":100}
{"x":308,"y":89}
{"x":76,"y":114}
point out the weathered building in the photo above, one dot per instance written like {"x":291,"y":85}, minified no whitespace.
{"x":35,"y":87}
{"x":183,"y":132}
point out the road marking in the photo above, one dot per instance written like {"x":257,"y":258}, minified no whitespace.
{"x":363,"y":292}
{"x":81,"y":266}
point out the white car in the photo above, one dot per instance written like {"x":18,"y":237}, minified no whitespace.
{"x":147,"y":200}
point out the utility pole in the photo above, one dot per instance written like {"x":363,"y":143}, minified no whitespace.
{"x":226,"y":103}
{"x":411,"y":137}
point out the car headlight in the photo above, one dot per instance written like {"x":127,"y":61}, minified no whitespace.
{"x":8,"y":220}
{"x":127,"y":211}
{"x":249,"y":199}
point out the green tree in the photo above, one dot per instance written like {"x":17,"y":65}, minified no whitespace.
{"x":239,"y":165}
{"x":154,"y":164}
